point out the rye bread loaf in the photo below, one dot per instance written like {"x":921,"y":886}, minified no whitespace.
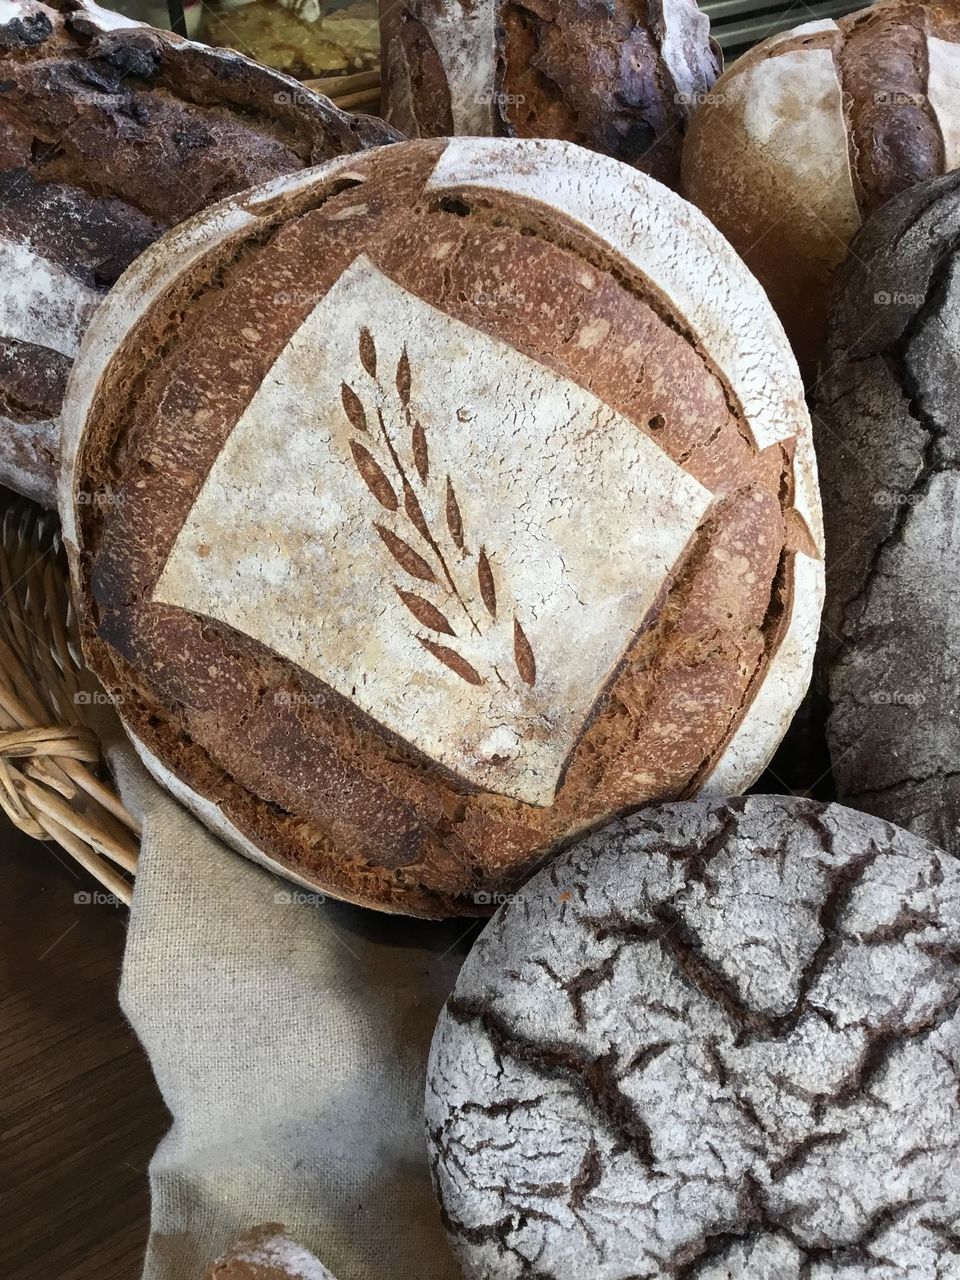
{"x":111,"y":132}
{"x":811,"y":131}
{"x":888,"y":428}
{"x":427,"y":509}
{"x":620,"y":77}
{"x":711,"y":1042}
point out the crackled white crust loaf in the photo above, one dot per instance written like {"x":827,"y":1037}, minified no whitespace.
{"x":267,"y":1253}
{"x":111,"y":132}
{"x":427,"y":509}
{"x":888,"y":424}
{"x":813,"y":130}
{"x":620,"y":77}
{"x":715,"y":1042}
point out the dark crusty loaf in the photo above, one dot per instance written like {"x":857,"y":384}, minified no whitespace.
{"x":888,"y":434}
{"x":812,"y":131}
{"x":713,"y":1042}
{"x":437,"y":504}
{"x":111,"y":132}
{"x":619,"y":77}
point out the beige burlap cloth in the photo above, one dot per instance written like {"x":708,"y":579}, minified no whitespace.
{"x":289,"y":1038}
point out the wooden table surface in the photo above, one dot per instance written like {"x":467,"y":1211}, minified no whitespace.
{"x":80,"y":1113}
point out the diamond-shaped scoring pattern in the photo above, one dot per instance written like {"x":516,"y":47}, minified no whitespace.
{"x":427,"y":508}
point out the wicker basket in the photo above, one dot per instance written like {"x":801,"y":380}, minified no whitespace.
{"x":53,"y":782}
{"x":360,"y":92}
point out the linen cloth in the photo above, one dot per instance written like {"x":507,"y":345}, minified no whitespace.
{"x":289,"y":1036}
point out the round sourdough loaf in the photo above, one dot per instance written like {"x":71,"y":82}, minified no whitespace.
{"x":812,"y":131}
{"x":888,"y":426}
{"x":110,"y":132}
{"x":619,"y":77}
{"x":711,"y":1042}
{"x":437,"y":504}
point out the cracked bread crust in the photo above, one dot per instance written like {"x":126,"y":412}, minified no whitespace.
{"x":811,"y":131}
{"x":620,"y":78}
{"x":243,"y":693}
{"x":111,"y":132}
{"x":887,"y":423}
{"x":710,"y":1041}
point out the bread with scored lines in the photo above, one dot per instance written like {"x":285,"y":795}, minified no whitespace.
{"x":426,"y":509}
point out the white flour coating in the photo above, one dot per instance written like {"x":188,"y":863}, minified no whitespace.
{"x":943,"y":91}
{"x":811,"y":28}
{"x":670,"y":241}
{"x":106,"y":19}
{"x":768,"y":717}
{"x":286,"y":527}
{"x":464,"y":37}
{"x":711,"y":1042}
{"x":678,"y":247}
{"x":21,"y":474}
{"x":672,"y":244}
{"x":398,"y":105}
{"x":792,"y":111}
{"x":10,"y":10}
{"x":133,"y":296}
{"x":40,"y":303}
{"x":283,"y":1254}
{"x":686,"y":31}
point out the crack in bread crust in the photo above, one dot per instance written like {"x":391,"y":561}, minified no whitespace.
{"x":743,"y":1022}
{"x":888,"y":423}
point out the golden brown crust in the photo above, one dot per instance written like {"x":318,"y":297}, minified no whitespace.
{"x":307,"y":776}
{"x":812,"y":131}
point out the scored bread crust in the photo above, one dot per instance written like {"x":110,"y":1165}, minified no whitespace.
{"x":620,"y":78}
{"x":591,"y":273}
{"x":813,"y":129}
{"x":111,"y":132}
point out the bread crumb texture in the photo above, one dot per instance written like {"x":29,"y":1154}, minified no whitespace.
{"x":714,"y":1041}
{"x":437,"y":505}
